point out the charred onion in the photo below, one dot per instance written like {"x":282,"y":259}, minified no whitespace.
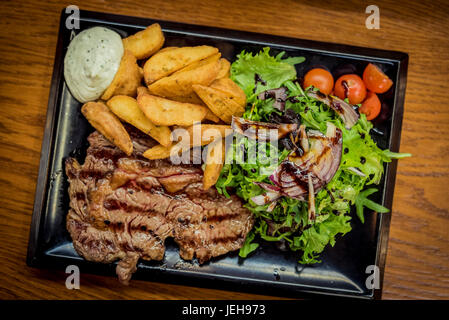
{"x":342,"y":108}
{"x":261,"y":130}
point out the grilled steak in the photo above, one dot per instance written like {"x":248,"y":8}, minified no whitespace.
{"x":123,"y":208}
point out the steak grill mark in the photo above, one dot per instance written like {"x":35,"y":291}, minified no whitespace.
{"x":120,"y":209}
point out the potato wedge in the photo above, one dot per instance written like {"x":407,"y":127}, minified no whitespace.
{"x":201,"y":134}
{"x":142,"y":90}
{"x":166,"y":49}
{"x":127,"y":79}
{"x":225,"y":68}
{"x":179,"y":85}
{"x":190,"y":96}
{"x":164,"y":112}
{"x":161,"y":152}
{"x":146,"y":42}
{"x":126,"y":108}
{"x":157,"y":152}
{"x":166,"y":62}
{"x":219,"y":102}
{"x":230,"y":87}
{"x":214,"y":163}
{"x":213,"y":58}
{"x":211,"y":116}
{"x":102,"y":119}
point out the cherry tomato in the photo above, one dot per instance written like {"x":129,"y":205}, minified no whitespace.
{"x":319,"y":78}
{"x":350,"y":86}
{"x":371,"y":106}
{"x":375,"y":80}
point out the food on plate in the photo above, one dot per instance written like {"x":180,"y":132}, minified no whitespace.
{"x":102,"y":119}
{"x":166,"y":49}
{"x":222,"y":104}
{"x":262,"y":131}
{"x":127,"y":78}
{"x":194,"y":65}
{"x":299,"y":175}
{"x":272,"y":71}
{"x":157,"y":152}
{"x":302,"y":198}
{"x":375,"y":80}
{"x":211,"y":117}
{"x":279,"y":96}
{"x":164,"y":63}
{"x":202,"y":134}
{"x":225,"y":67}
{"x":164,"y":112}
{"x":371,"y":106}
{"x":179,"y":86}
{"x":125,"y":213}
{"x":230,"y":87}
{"x":319,"y":78}
{"x":91,"y":62}
{"x":350,"y":86}
{"x":146,"y":42}
{"x":315,"y":153}
{"x":126,"y":108}
{"x":142,"y":90}
{"x":342,"y":108}
{"x":214,"y":163}
{"x":194,"y":136}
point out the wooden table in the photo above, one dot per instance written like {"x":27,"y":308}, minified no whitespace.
{"x":418,"y":251}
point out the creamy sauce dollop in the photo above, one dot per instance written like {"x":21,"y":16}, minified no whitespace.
{"x":91,"y":62}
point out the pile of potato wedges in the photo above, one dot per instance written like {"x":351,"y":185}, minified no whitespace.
{"x":177,"y":88}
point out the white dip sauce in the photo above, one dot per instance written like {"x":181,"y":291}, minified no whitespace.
{"x":91,"y":62}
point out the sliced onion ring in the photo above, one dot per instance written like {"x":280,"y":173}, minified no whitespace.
{"x":343,"y":109}
{"x":261,"y":130}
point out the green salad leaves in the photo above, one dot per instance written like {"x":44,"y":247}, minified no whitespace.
{"x":362,"y":164}
{"x":273,"y":70}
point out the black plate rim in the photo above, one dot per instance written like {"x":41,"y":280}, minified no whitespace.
{"x":36,"y":259}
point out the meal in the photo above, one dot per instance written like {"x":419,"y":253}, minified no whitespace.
{"x":124,"y":207}
{"x":217,"y":155}
{"x":92,"y":60}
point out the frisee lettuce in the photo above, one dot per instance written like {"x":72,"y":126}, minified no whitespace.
{"x":273,"y":70}
{"x":288,"y":222}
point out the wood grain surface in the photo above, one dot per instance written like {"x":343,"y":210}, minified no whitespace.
{"x":418,"y":251}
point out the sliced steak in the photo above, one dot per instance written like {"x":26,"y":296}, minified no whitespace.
{"x":123,"y":208}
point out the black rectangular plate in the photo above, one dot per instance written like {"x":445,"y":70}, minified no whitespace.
{"x":268,"y":271}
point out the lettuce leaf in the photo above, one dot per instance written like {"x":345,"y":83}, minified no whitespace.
{"x":273,"y":70}
{"x":288,"y":222}
{"x":313,"y":240}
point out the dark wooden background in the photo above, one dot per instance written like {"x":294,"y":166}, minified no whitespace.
{"x":418,"y":251}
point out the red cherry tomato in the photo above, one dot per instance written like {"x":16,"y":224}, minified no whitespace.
{"x":371,"y":106}
{"x":350,"y":86}
{"x":375,"y":80}
{"x":319,"y":78}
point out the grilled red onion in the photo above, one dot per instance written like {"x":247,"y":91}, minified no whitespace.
{"x":304,"y":140}
{"x":261,"y":130}
{"x":265,"y":198}
{"x":267,"y":186}
{"x":311,"y":209}
{"x":272,"y":206}
{"x":320,"y":163}
{"x":297,"y":177}
{"x":343,"y":109}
